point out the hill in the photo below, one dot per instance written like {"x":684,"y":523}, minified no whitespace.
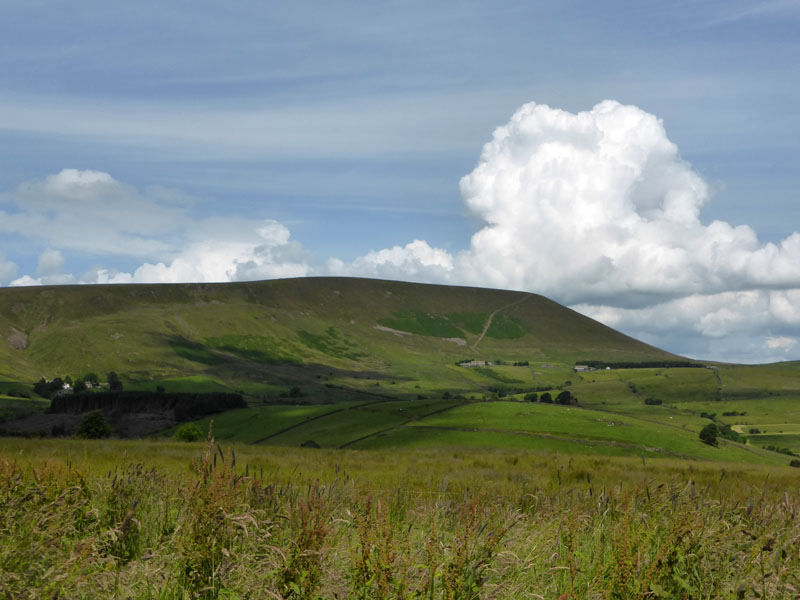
{"x":291,"y":329}
{"x":363,"y":364}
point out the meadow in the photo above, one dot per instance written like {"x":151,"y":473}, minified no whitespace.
{"x":147,"y":519}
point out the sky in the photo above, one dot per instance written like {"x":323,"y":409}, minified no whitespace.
{"x":638,"y":161}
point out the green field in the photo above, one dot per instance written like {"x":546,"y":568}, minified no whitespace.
{"x":249,"y":425}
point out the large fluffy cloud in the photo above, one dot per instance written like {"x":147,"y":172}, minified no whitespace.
{"x":598,"y":210}
{"x":416,"y":260}
{"x":599,"y":207}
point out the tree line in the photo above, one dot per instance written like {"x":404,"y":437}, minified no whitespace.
{"x":186,"y":406}
{"x":646,"y":364}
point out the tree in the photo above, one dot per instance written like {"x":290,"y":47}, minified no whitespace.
{"x":93,"y":426}
{"x":564,"y":398}
{"x":80,"y":386}
{"x":709,"y":434}
{"x":114,"y":383}
{"x":91,"y":378}
{"x":546,"y":398}
{"x":188,"y":432}
{"x":531,"y":397}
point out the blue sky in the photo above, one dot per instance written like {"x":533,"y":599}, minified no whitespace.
{"x":256,"y":139}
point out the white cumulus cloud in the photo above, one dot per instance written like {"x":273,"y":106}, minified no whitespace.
{"x":598,"y":210}
{"x":50,"y":271}
{"x":268,"y":255}
{"x":780,"y":343}
{"x":599,"y":207}
{"x":416,"y":260}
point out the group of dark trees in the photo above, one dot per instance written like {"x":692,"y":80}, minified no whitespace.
{"x":565,"y":397}
{"x":786,"y":451}
{"x":709,"y":434}
{"x":647,"y":364}
{"x":498,"y":361}
{"x":48,"y":389}
{"x":722,"y":430}
{"x":93,"y":426}
{"x":186,"y":406}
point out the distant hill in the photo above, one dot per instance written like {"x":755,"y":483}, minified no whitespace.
{"x":360,"y":363}
{"x":288,"y":330}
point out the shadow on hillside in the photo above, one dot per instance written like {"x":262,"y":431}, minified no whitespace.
{"x":229,"y":362}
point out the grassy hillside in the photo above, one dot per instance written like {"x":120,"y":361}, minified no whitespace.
{"x":361,"y":364}
{"x":290,"y":330}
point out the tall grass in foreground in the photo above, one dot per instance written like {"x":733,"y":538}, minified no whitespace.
{"x":227,"y":530}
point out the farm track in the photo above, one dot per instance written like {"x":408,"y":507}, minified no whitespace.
{"x":491,"y":318}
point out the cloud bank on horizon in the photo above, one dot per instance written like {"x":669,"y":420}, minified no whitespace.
{"x":596,"y":210}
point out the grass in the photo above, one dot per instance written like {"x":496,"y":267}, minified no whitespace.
{"x":175,"y":520}
{"x":259,"y":348}
{"x":332,"y":343}
{"x":248,"y":425}
{"x":505,"y":328}
{"x":591,"y":428}
{"x":340,"y":428}
{"x":422,"y":437}
{"x":780,"y":440}
{"x":495,"y":374}
{"x":196,"y":353}
{"x":12,"y":407}
{"x":422,"y":323}
{"x":191,"y":384}
{"x":471,"y":322}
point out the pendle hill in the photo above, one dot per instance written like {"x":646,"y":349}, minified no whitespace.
{"x":360,"y":363}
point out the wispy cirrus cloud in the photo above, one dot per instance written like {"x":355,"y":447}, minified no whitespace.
{"x":738,"y":11}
